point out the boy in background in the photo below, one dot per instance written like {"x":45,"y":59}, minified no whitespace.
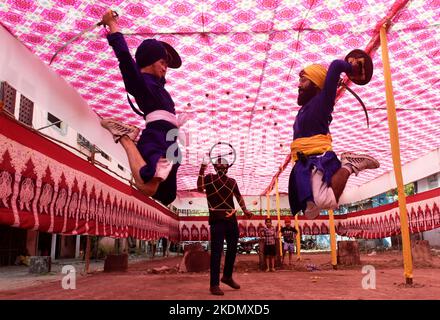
{"x":269,"y":235}
{"x":289,"y":233}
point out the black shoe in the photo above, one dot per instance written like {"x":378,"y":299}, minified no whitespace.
{"x":230,"y":282}
{"x":215,"y":290}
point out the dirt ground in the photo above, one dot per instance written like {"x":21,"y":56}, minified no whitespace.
{"x":311,"y":278}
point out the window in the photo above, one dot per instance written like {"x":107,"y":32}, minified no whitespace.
{"x":432,"y":181}
{"x":8,"y":94}
{"x":26,"y":110}
{"x":83,"y":142}
{"x":121,"y":167}
{"x":86,"y":144}
{"x":54,"y":120}
{"x":105,"y":155}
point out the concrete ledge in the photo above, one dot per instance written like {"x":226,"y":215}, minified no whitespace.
{"x":116,"y":263}
{"x":348,"y":253}
{"x":40,"y":264}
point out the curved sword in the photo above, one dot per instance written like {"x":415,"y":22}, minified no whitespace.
{"x":100,"y":23}
{"x":73,"y":39}
{"x":341,"y":83}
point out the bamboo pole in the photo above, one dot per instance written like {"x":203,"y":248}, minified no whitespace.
{"x":331,"y":222}
{"x":298,"y":239}
{"x":268,"y":205}
{"x":395,"y":149}
{"x":279,"y":216}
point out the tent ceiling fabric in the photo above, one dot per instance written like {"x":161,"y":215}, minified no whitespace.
{"x":241,"y":60}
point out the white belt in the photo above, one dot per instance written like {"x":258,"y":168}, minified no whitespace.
{"x":169,"y":117}
{"x":161,"y":115}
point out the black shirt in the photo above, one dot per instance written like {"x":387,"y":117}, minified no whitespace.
{"x":220,"y":193}
{"x":288,"y":233}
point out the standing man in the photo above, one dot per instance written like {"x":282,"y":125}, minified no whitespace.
{"x":318,"y":178}
{"x":220,"y":192}
{"x":153,"y":173}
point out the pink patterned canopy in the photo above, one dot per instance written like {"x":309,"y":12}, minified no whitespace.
{"x":241,"y":59}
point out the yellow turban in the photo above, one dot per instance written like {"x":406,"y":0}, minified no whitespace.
{"x":316,"y":73}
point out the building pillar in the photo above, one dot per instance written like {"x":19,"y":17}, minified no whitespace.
{"x":87,"y":265}
{"x":124,"y":245}
{"x":32,"y":242}
{"x":77,"y":246}
{"x":54,"y":246}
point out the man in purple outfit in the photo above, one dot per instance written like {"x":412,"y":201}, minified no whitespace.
{"x":144,"y":79}
{"x":318,"y":178}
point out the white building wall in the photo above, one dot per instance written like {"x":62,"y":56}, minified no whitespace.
{"x":39,"y":83}
{"x":69,"y":136}
{"x":433,"y":236}
{"x":428,"y":183}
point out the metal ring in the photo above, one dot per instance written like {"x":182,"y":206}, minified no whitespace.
{"x":222,"y":155}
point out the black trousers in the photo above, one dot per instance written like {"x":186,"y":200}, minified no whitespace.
{"x":221,"y":230}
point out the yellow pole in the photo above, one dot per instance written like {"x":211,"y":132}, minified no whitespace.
{"x":331,"y":223}
{"x":279,"y":216}
{"x":395,"y":149}
{"x":268,"y":205}
{"x":298,"y":239}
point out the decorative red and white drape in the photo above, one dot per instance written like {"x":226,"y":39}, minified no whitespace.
{"x":380,"y":222}
{"x":44,"y":187}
